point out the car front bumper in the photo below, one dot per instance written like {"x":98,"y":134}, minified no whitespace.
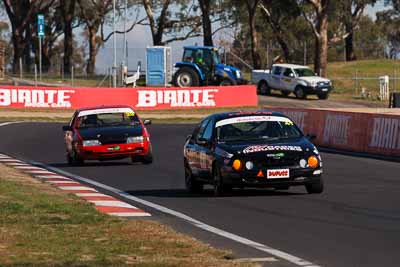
{"x":298,"y":176}
{"x":326,"y":89}
{"x":113,"y":151}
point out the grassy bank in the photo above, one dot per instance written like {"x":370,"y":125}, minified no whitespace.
{"x":42,"y":226}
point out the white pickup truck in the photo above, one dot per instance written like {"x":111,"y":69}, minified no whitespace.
{"x":290,"y":78}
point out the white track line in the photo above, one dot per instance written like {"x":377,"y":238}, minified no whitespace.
{"x":275,"y":252}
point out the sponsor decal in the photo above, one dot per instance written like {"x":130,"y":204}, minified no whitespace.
{"x":177,"y":98}
{"x":278,"y":173}
{"x":263,"y":148}
{"x":37,"y":98}
{"x":336,"y":129}
{"x":386,"y":133}
{"x":252,"y":119}
{"x":277,"y":155}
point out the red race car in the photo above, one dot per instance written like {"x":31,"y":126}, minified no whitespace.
{"x":105,"y":133}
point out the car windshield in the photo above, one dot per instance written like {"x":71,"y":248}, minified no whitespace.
{"x":304,"y":72}
{"x":256,"y":128}
{"x":107,"y":120}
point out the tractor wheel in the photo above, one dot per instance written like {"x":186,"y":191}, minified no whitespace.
{"x":227,"y":82}
{"x":186,"y":77}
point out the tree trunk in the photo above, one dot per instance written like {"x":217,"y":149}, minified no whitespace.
{"x":253,"y":39}
{"x":285,"y":49}
{"x":206,"y":22}
{"x":68,"y":8}
{"x":350,"y":55}
{"x":18,"y":49}
{"x":27,"y":49}
{"x":91,"y":65}
{"x":321,"y":49}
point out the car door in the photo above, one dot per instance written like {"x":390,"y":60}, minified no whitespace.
{"x":192,"y":148}
{"x":288,"y":80}
{"x":275,"y":77}
{"x":205,"y":145}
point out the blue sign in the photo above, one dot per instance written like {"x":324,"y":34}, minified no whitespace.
{"x":40,"y":25}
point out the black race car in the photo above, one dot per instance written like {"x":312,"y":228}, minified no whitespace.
{"x":251,"y":149}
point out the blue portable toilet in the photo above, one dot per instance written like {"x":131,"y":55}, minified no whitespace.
{"x":158,"y":66}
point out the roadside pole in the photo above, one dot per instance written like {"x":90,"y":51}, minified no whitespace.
{"x":114,"y":69}
{"x":40,"y":18}
{"x":40,"y":58}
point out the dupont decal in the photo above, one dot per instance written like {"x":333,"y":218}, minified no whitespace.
{"x":386,"y":133}
{"x":278,"y":173}
{"x":177,"y":98}
{"x":259,"y":148}
{"x":37,"y":98}
{"x":336,"y":129}
{"x":127,"y":111}
{"x":253,"y":119}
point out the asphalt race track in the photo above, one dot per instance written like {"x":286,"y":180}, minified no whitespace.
{"x":355,"y":222}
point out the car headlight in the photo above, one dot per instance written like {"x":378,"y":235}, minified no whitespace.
{"x":134,"y":139}
{"x":313,"y":162}
{"x":313,"y":83}
{"x":91,"y":143}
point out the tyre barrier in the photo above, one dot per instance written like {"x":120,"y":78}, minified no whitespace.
{"x":377,"y":134}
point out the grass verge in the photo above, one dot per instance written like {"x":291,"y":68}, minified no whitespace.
{"x":42,"y":226}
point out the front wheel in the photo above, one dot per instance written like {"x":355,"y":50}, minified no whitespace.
{"x":316,"y":187}
{"x":74,"y":160}
{"x":148,"y":158}
{"x":300,"y":92}
{"x":227,"y":82}
{"x":322,"y":96}
{"x":220,"y":188}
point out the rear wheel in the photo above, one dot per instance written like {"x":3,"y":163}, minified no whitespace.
{"x":322,"y":96}
{"x":191,"y":184}
{"x":300,"y":92}
{"x":263,"y":88}
{"x":186,"y":77}
{"x":316,"y":187}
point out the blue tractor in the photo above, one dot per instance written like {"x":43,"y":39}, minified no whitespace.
{"x":200,"y":66}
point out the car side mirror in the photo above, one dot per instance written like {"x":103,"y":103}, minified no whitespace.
{"x":147,"y":122}
{"x":311,"y":136}
{"x":67,"y":128}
